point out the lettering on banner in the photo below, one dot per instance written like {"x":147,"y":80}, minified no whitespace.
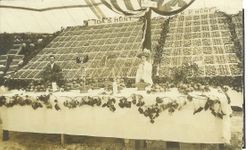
{"x":110,"y":20}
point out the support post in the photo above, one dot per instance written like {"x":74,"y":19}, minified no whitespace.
{"x":148,"y":143}
{"x":62,"y":139}
{"x":126,"y":143}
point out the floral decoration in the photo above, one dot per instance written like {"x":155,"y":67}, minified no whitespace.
{"x":113,"y":103}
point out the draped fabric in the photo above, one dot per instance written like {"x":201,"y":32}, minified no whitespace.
{"x":171,"y":7}
{"x":125,"y":7}
{"x":180,"y":126}
{"x":138,"y":7}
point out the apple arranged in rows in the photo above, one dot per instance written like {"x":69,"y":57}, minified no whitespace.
{"x":187,"y":88}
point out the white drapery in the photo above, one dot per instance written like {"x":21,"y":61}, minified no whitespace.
{"x":128,"y":123}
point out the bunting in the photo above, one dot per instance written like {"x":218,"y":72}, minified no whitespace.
{"x":139,"y":7}
{"x":125,"y":7}
{"x":171,"y":7}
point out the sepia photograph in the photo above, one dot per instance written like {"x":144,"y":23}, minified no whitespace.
{"x":122,"y":75}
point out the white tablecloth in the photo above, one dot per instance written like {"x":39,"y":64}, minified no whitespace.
{"x":128,"y":123}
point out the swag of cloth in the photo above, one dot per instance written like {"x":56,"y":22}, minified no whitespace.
{"x":138,"y":8}
{"x":144,"y":72}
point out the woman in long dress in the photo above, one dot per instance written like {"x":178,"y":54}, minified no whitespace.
{"x":144,"y":71}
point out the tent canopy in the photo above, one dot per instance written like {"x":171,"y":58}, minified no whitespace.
{"x":48,"y":16}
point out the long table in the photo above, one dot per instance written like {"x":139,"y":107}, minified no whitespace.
{"x":182,"y":125}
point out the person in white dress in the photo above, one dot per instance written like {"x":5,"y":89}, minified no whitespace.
{"x":144,"y":71}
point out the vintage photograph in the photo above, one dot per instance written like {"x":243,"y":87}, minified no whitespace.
{"x":122,"y":75}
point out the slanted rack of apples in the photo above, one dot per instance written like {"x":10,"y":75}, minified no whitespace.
{"x":151,"y":97}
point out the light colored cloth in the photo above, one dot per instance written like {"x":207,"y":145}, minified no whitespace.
{"x":127,"y":123}
{"x":144,"y":72}
{"x":52,"y":65}
{"x":237,"y":98}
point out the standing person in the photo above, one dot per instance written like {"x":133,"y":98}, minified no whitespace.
{"x":52,"y":72}
{"x":144,"y":71}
